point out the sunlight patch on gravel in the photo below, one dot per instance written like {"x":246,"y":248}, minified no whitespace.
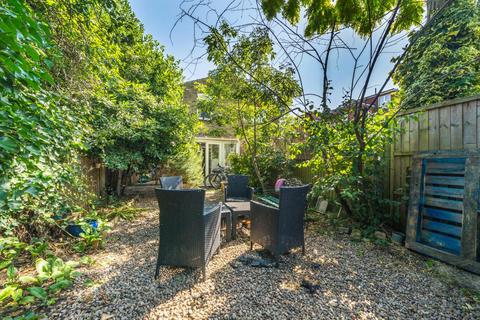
{"x":352,"y":280}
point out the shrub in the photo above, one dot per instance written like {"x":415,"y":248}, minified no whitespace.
{"x":272,"y":164}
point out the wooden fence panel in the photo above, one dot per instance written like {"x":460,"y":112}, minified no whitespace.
{"x":450,"y":125}
{"x":456,"y":126}
{"x":94,"y":173}
{"x":405,"y":127}
{"x":470,"y":125}
{"x":445,"y":136}
{"x":433,"y":129}
{"x":423,"y":131}
{"x":413,"y":135}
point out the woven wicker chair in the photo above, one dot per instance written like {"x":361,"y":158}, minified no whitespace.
{"x":280,"y":229}
{"x":237,"y":189}
{"x":189,"y":233}
{"x":171,"y":183}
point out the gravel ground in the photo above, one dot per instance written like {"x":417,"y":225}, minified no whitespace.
{"x":353,"y":281}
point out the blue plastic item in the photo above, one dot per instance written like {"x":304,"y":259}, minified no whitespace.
{"x":75,"y":229}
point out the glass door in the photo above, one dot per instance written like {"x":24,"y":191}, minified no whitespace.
{"x":213,"y":156}
{"x":229,"y":149}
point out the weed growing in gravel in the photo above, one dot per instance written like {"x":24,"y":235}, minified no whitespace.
{"x":87,"y":260}
{"x":360,"y":252}
{"x":430,"y":263}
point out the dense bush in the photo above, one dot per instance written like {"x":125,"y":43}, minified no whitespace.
{"x":272,"y":165}
{"x":188,"y":164}
{"x":39,"y":135}
{"x":76,"y":77}
{"x":444,"y":62}
{"x":334,"y":151}
{"x":127,"y":89}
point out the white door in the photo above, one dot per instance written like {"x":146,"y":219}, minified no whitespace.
{"x":213,"y":156}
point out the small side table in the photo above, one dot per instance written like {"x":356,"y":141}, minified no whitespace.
{"x":237,"y":208}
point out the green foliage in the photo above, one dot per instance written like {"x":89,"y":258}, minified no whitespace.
{"x":335,"y":150}
{"x":76,"y":77}
{"x":119,"y":210}
{"x":363,"y":16}
{"x":91,"y":238}
{"x":120,"y":79}
{"x":38,"y":133}
{"x":187,"y":162}
{"x":80,"y":77}
{"x":443,"y":63}
{"x":11,"y":249}
{"x":347,"y":145}
{"x":273,"y":164}
{"x":246,"y":92}
{"x":22,"y":291}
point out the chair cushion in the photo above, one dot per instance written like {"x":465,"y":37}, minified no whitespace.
{"x":237,"y":199}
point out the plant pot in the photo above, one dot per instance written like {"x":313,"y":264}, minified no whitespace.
{"x":398,"y":238}
{"x":76,"y":229}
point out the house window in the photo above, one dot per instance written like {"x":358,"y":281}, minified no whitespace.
{"x":382,"y":100}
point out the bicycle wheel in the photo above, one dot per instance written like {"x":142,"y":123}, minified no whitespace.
{"x":206,"y":180}
{"x":215,"y":180}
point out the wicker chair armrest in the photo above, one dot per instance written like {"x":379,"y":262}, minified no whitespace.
{"x":250,"y":192}
{"x":211,"y":228}
{"x":212,"y":209}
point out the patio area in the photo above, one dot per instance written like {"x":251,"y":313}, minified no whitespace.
{"x":337,"y":278}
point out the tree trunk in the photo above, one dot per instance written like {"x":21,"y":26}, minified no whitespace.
{"x":119,"y":183}
{"x":254,"y":151}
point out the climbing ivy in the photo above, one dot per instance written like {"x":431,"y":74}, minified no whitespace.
{"x":444,"y":62}
{"x":38,"y":134}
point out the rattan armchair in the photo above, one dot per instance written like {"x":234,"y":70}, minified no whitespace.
{"x":189,"y":233}
{"x":280,"y":229}
{"x":171,"y":183}
{"x":237,"y":189}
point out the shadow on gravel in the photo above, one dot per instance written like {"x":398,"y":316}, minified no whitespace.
{"x":335,"y":279}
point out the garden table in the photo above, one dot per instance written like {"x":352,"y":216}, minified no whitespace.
{"x":227,"y":217}
{"x":237,"y":209}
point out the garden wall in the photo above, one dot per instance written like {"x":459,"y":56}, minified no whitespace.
{"x":450,"y":125}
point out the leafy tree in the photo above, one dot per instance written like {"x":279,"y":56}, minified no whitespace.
{"x":76,"y":77}
{"x":127,"y":90}
{"x":363,"y":16}
{"x":38,"y":133}
{"x":347,"y":148}
{"x":80,"y":77}
{"x":443,"y":63}
{"x":235,"y":96}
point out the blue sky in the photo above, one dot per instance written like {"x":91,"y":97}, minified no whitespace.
{"x":159,"y":16}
